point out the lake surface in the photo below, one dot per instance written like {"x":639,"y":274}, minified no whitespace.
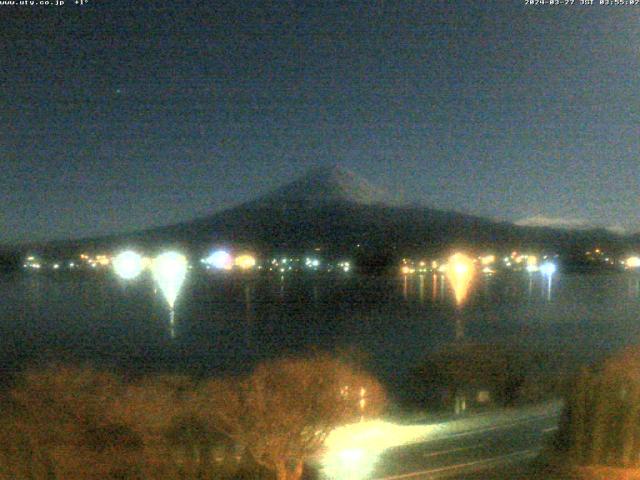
{"x":229,"y":323}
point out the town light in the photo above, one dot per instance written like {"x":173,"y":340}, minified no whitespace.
{"x":460,"y":269}
{"x":102,"y":260}
{"x":245,"y":262}
{"x":311,"y":262}
{"x":632,"y":262}
{"x":548,"y":268}
{"x":488,"y":260}
{"x":460,"y":275}
{"x":532,"y":264}
{"x":127,"y":265}
{"x":220,"y":259}
{"x":169,"y":271}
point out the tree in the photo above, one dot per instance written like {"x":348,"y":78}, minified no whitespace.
{"x":151,"y":407}
{"x":601,"y":421}
{"x":69,"y":423}
{"x":459,"y":369}
{"x":177,"y":441}
{"x":283,"y":411}
{"x":56,"y":426}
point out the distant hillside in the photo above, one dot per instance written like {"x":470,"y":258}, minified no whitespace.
{"x":336,"y":210}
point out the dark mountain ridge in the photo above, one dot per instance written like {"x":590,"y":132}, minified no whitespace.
{"x":335,"y":210}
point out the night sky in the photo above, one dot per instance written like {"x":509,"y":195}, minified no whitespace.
{"x":117,"y":117}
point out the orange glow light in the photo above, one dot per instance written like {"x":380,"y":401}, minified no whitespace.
{"x":460,"y":275}
{"x":245,"y":262}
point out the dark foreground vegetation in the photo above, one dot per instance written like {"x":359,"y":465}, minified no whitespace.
{"x":599,"y":433}
{"x":474,"y":376}
{"x":79,"y":423}
{"x":68,"y":423}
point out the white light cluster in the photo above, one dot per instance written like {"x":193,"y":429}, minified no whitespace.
{"x":548,"y":268}
{"x":345,"y":266}
{"x":220,"y":259}
{"x":311,"y":262}
{"x":169,"y":271}
{"x":127,"y":265}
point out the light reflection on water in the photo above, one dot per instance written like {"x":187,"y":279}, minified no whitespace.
{"x":405,"y":287}
{"x":434,"y":289}
{"x":229,"y":323}
{"x":634,"y":286}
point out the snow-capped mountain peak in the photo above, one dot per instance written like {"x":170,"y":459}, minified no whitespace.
{"x":325,"y":186}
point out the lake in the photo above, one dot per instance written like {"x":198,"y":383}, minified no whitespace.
{"x":227,"y":323}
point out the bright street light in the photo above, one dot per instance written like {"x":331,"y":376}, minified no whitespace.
{"x":632,"y":262}
{"x":245,"y":262}
{"x":127,"y":265}
{"x":220,"y":259}
{"x":169,"y":271}
{"x":460,"y":272}
{"x":548,"y":268}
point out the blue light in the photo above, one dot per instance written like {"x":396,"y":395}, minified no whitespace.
{"x":548,"y":268}
{"x":221,"y":260}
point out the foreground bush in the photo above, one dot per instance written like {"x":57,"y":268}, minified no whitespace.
{"x":508,"y":375}
{"x":285,"y":409}
{"x":66,"y":423}
{"x":55,"y":424}
{"x":601,"y":424}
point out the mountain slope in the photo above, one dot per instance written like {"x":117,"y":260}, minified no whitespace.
{"x":331,"y":207}
{"x":325,"y":186}
{"x":334,"y":209}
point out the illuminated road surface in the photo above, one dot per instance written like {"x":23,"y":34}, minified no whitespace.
{"x":458,"y":449}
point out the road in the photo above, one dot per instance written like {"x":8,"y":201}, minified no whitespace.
{"x":473,"y":452}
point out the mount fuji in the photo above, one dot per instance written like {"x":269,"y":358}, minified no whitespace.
{"x":338,"y":211}
{"x":324,"y":187}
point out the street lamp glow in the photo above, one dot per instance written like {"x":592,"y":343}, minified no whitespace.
{"x":460,"y":274}
{"x":487,"y":260}
{"x":127,"y":265}
{"x":169,"y":271}
{"x":245,"y":262}
{"x":352,"y":451}
{"x":312,"y":262}
{"x":220,"y":259}
{"x":460,"y":269}
{"x":548,"y":268}
{"x":632,"y":262}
